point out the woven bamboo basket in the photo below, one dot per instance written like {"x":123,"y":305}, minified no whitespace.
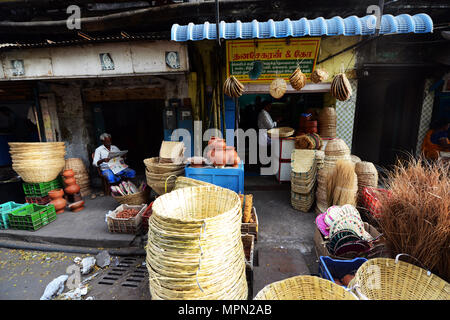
{"x":336,"y":147}
{"x":160,"y":182}
{"x":138,"y":198}
{"x":281,"y":132}
{"x":304,"y":288}
{"x":183,"y":182}
{"x":194,"y":248}
{"x":392,"y":279}
{"x":154,"y":166}
{"x":39,"y":173}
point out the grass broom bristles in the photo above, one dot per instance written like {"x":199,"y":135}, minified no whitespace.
{"x":415,"y":216}
{"x":342,"y":184}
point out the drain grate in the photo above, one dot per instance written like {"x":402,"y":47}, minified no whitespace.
{"x":128,"y":273}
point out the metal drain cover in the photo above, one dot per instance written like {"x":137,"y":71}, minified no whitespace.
{"x":124,"y":281}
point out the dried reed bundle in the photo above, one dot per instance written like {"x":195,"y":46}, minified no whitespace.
{"x":415,"y":216}
{"x":342,"y":184}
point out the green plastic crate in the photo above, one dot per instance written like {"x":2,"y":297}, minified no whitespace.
{"x":32,"y":217}
{"x":41,"y":189}
{"x":5,"y":209}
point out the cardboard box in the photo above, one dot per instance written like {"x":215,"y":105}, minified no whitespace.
{"x":320,"y":243}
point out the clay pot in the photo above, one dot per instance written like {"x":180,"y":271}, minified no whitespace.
{"x":219,"y":157}
{"x":70,"y":181}
{"x":57,"y":200}
{"x":217,"y":143}
{"x":71,"y":189}
{"x":232,"y":156}
{"x":77,"y":206}
{"x":68,"y":173}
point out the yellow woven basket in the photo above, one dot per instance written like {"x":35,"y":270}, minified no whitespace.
{"x":194,"y":248}
{"x":304,"y":288}
{"x":392,"y":279}
{"x":138,"y":198}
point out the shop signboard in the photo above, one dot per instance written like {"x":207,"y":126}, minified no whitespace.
{"x":279,"y":57}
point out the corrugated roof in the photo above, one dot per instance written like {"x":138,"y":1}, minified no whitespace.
{"x":350,"y":26}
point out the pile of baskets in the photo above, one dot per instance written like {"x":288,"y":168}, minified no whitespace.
{"x":161,"y":176}
{"x":336,"y":149}
{"x":37,"y":162}
{"x":81,"y":175}
{"x":375,"y":279}
{"x":367,"y":176}
{"x":327,"y":123}
{"x":303,"y":179}
{"x":194,"y":248}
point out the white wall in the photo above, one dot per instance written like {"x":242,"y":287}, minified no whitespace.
{"x":83,"y":61}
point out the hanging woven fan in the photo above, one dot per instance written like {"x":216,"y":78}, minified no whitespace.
{"x":319,"y":75}
{"x":297,"y":79}
{"x":341,"y":88}
{"x":278,"y":88}
{"x":233,"y":87}
{"x":256,"y":70}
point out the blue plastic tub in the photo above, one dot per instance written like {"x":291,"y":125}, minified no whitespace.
{"x":332,"y":268}
{"x":231,"y":178}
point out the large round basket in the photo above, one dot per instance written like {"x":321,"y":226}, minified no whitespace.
{"x":281,"y":132}
{"x":138,"y":198}
{"x":194,"y":248}
{"x":155,"y":166}
{"x":337,"y":147}
{"x":304,"y":288}
{"x":183,"y":182}
{"x":38,"y":174}
{"x":160,"y":182}
{"x":391,"y":279}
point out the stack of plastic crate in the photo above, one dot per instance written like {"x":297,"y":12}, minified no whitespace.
{"x":5,"y":209}
{"x":38,"y":192}
{"x":31,"y":216}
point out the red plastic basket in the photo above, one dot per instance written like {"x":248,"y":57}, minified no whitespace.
{"x":371,"y":200}
{"x":145,"y":215}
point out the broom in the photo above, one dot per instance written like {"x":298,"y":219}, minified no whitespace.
{"x":342,"y":184}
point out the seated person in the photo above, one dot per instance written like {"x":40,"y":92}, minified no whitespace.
{"x":101,"y":160}
{"x":436,"y":140}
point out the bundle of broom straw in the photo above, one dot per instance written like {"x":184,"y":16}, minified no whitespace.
{"x":342,"y":184}
{"x":415,"y":216}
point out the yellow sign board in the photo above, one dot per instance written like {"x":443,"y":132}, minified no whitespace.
{"x":277,"y":58}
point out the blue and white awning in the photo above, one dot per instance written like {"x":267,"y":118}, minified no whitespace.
{"x":350,"y":26}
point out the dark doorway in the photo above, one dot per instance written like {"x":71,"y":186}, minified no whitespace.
{"x":135,"y":126}
{"x":387,"y":115}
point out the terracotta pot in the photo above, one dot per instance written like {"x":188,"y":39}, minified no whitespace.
{"x":217,"y":143}
{"x":69,"y":181}
{"x":68,"y":173}
{"x":77,"y":206}
{"x":232,"y":156}
{"x":74,"y":188}
{"x":57,"y":200}
{"x":219,"y":157}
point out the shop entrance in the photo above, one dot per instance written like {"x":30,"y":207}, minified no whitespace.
{"x":135,"y":126}
{"x":387,"y":115}
{"x":286,"y":111}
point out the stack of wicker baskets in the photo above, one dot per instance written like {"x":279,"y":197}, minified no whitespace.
{"x":37,"y":162}
{"x":81,"y":175}
{"x":303,"y":179}
{"x":159,"y":175}
{"x":367,"y":176}
{"x":327,"y":123}
{"x":335,"y":149}
{"x":194,"y":248}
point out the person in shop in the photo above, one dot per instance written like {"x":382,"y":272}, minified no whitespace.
{"x":436,"y":140}
{"x":265,"y":121}
{"x":101,"y":161}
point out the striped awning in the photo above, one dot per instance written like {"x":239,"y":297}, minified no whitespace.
{"x":350,"y":26}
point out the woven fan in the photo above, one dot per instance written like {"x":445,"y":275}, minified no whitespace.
{"x":297,"y":79}
{"x":319,"y":75}
{"x":341,"y":88}
{"x":278,"y":88}
{"x":233,"y":87}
